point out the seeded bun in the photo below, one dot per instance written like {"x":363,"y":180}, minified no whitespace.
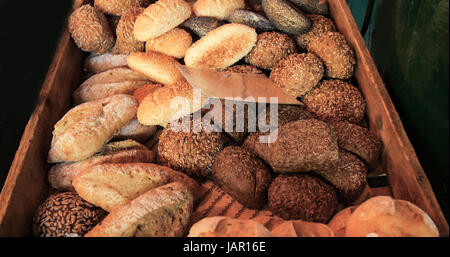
{"x":219,"y":9}
{"x":252,"y":19}
{"x":320,"y":25}
{"x":117,"y":7}
{"x":143,"y":91}
{"x":125,"y":42}
{"x":302,"y":196}
{"x":336,"y":100}
{"x":90,"y":30}
{"x":247,"y":69}
{"x":312,"y":6}
{"x":297,"y":74}
{"x":174,"y":43}
{"x":358,"y":140}
{"x":201,"y":26}
{"x":349,"y":178}
{"x":270,"y":48}
{"x":334,"y":51}
{"x":104,"y":62}
{"x":286,"y":17}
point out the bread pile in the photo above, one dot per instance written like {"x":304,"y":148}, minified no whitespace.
{"x":118,"y":154}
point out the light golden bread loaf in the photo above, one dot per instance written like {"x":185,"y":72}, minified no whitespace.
{"x":221,"y":47}
{"x":156,"y":66}
{"x":219,"y":9}
{"x":117,"y":7}
{"x":104,"y":62}
{"x":136,"y":131}
{"x":143,"y":91}
{"x":60,"y":176}
{"x":86,"y":128}
{"x":125,"y":42}
{"x":166,"y":104}
{"x":174,"y":43}
{"x":221,"y":226}
{"x":161,"y":17}
{"x":112,"y":185}
{"x":163,"y":211}
{"x":299,"y":228}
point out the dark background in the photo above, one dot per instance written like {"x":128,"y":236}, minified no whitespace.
{"x":408,"y":40}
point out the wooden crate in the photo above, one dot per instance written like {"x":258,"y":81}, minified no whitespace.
{"x":26,"y":185}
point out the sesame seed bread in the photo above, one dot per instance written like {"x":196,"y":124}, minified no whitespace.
{"x":221,"y":47}
{"x":125,"y":42}
{"x":104,"y":62}
{"x":117,"y":7}
{"x":219,"y":9}
{"x":161,"y":17}
{"x":174,"y":43}
{"x":143,"y":91}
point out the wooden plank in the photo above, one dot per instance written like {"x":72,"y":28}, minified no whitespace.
{"x":26,"y":186}
{"x":406,"y":177}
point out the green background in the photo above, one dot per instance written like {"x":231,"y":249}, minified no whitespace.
{"x":409,"y":41}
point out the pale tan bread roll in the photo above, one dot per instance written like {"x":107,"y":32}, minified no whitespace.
{"x":221,"y":47}
{"x":299,"y":228}
{"x":117,"y":7}
{"x":112,"y":185}
{"x":174,"y":43}
{"x":219,"y":9}
{"x":136,"y":131}
{"x":156,"y":66}
{"x":104,"y":62}
{"x":221,"y":226}
{"x":161,"y":17}
{"x":166,"y":104}
{"x":163,"y":211}
{"x":60,"y":176}
{"x":86,"y":128}
{"x":383,"y":216}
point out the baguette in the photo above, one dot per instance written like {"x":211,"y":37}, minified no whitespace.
{"x":221,"y":47}
{"x":117,"y":7}
{"x":60,"y":176}
{"x":104,"y":62}
{"x":161,"y":17}
{"x":162,"y":211}
{"x":219,"y":9}
{"x":174,"y":43}
{"x":86,"y":128}
{"x":156,"y":66}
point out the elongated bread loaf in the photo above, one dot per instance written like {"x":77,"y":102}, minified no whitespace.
{"x":162,"y":211}
{"x":60,"y":176}
{"x":85,"y":129}
{"x":115,"y":75}
{"x":174,"y":43}
{"x":136,"y":131}
{"x":161,"y":17}
{"x":219,"y":9}
{"x":156,"y":66}
{"x":221,"y":47}
{"x":100,"y":63}
{"x":112,"y":185}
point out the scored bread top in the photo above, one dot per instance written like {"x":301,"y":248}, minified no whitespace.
{"x":221,"y":47}
{"x":160,"y":18}
{"x":219,"y":9}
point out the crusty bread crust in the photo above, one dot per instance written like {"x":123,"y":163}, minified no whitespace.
{"x":221,"y":47}
{"x":136,"y":131}
{"x":162,"y":211}
{"x":104,"y":62}
{"x":85,"y":129}
{"x":174,"y":43}
{"x":219,"y":9}
{"x":117,"y":7}
{"x":125,"y":42}
{"x":161,"y":17}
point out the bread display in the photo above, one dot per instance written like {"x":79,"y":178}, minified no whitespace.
{"x":162,"y":211}
{"x":117,"y":7}
{"x":221,"y":47}
{"x":251,"y":19}
{"x":297,"y":74}
{"x":219,"y":9}
{"x":174,"y":43}
{"x":158,"y":67}
{"x":85,"y":129}
{"x":285,"y":17}
{"x":104,"y":62}
{"x":319,"y":26}
{"x":125,"y":42}
{"x":161,"y":17}
{"x":90,"y":30}
{"x":112,"y":185}
{"x":61,"y":175}
{"x":270,"y":48}
{"x":228,"y":227}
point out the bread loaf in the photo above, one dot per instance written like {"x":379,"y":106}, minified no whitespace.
{"x":219,"y":9}
{"x":112,"y":185}
{"x":60,"y":176}
{"x":162,"y":211}
{"x":104,"y":62}
{"x":174,"y":43}
{"x":156,"y":66}
{"x":86,"y":128}
{"x":221,"y":47}
{"x":161,"y":17}
{"x":228,"y":227}
{"x":136,"y":131}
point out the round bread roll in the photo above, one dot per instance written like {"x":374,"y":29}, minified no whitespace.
{"x":90,"y":30}
{"x":219,"y":9}
{"x":156,"y":66}
{"x":143,"y":91}
{"x":201,"y":26}
{"x":336,"y":100}
{"x":297,"y":74}
{"x":125,"y":42}
{"x":161,"y":17}
{"x":252,"y":19}
{"x":221,"y":47}
{"x":383,"y":216}
{"x":117,"y":7}
{"x":270,"y":48}
{"x":286,"y":17}
{"x":334,"y":51}
{"x":228,"y":227}
{"x":320,"y":25}
{"x":174,"y":43}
